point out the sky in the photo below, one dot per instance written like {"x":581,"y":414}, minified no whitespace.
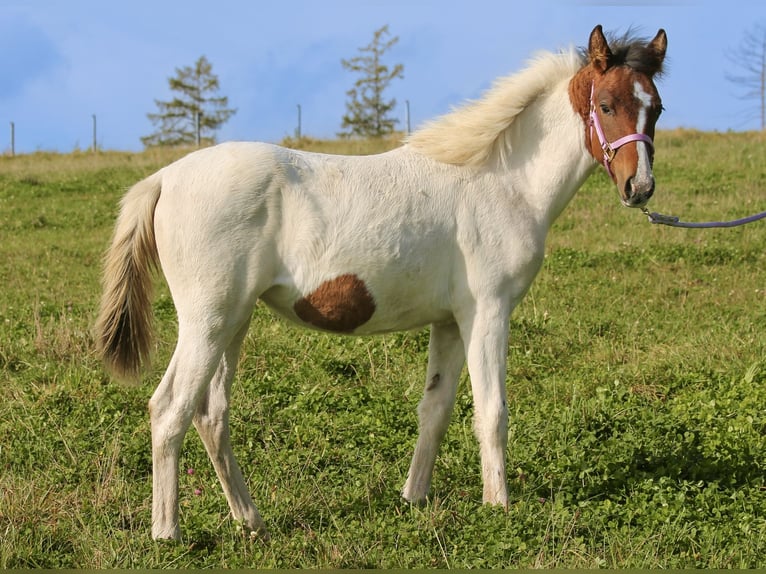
{"x":62,"y":62}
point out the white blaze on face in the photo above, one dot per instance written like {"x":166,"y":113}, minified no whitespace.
{"x":644,"y":168}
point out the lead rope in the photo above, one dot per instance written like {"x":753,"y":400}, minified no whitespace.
{"x":673,"y":221}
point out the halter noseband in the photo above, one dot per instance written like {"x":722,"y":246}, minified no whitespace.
{"x":610,"y":149}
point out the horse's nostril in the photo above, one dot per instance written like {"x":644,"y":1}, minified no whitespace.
{"x":629,"y":188}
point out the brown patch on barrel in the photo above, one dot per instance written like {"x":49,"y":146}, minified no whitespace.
{"x":341,"y":304}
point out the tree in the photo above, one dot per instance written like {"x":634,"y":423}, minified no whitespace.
{"x":367,"y":110}
{"x":750,"y":58}
{"x":195,"y":113}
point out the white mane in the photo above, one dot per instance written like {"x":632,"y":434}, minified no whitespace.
{"x":469,"y":134}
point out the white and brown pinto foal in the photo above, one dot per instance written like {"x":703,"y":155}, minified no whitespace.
{"x":447,"y":230}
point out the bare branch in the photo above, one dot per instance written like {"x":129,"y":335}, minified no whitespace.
{"x":750,"y":61}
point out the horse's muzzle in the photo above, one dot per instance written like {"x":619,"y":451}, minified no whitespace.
{"x":637,"y":192}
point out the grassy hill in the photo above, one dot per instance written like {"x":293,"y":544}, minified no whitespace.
{"x":636,"y":378}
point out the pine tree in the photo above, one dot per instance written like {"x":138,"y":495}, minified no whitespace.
{"x":367,"y":112}
{"x":193,"y":116}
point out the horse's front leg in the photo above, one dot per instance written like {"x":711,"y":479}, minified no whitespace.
{"x":486,"y":339}
{"x":446,"y":357}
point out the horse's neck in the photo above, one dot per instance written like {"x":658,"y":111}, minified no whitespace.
{"x":545,"y":157}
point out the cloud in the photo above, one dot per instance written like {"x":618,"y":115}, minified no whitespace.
{"x":26,"y":54}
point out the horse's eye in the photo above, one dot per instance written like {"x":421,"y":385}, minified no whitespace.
{"x":605,"y":109}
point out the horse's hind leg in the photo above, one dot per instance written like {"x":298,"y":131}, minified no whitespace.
{"x":172,"y":407}
{"x":212,"y":423}
{"x":446,"y":356}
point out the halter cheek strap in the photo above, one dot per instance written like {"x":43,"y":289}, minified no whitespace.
{"x":610,"y":148}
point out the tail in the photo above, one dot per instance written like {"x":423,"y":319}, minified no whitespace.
{"x":123,"y":330}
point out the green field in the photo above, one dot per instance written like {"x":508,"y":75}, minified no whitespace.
{"x":636,"y":373}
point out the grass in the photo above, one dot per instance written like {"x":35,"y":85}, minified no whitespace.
{"x":637,"y":377}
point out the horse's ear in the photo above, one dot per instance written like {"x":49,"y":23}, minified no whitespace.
{"x":658,"y":47}
{"x":599,"y":53}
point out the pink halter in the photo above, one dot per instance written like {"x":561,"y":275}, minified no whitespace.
{"x":610,"y":149}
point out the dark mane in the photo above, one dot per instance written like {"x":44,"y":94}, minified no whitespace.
{"x":633,"y":51}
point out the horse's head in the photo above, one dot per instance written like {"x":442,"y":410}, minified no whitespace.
{"x":616,"y":96}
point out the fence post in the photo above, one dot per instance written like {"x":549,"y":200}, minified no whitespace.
{"x":95,"y":145}
{"x":298,"y":131}
{"x":13,"y":139}
{"x":407,"y":115}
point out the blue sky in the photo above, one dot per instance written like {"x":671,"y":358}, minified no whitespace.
{"x":64,"y":60}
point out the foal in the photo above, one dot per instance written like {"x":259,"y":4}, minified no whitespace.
{"x":447,"y":230}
